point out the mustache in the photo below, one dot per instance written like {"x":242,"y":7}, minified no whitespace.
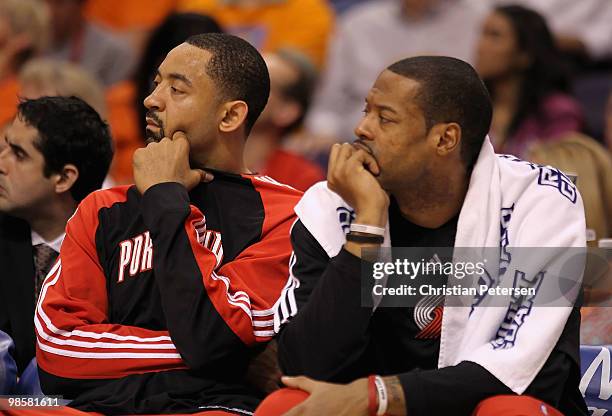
{"x":153,"y":116}
{"x":362,"y":143}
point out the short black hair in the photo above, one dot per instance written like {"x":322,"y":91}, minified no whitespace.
{"x":451,"y":91}
{"x":239,"y":71}
{"x":70,"y":132}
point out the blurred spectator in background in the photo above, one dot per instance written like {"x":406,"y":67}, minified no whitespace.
{"x":583,"y":33}
{"x":23,"y":32}
{"x":292,"y":80}
{"x":592,"y":164}
{"x":125,"y":100}
{"x":304,"y":25}
{"x":132,"y":19}
{"x":375,"y":34}
{"x":579,"y":27}
{"x":46,"y":77}
{"x":527,"y":79}
{"x":96,"y":49}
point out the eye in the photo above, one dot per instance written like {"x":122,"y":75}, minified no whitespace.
{"x":174,"y":90}
{"x":383,"y":120}
{"x":19,"y":154}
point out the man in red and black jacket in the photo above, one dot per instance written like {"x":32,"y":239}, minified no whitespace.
{"x":163,"y":290}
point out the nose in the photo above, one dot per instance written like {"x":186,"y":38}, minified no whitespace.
{"x":363,"y":130}
{"x":154,"y":102}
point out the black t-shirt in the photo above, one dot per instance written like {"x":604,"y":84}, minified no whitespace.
{"x":395,"y":329}
{"x":406,"y":234}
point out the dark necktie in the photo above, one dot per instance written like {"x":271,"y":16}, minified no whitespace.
{"x":44,"y":256}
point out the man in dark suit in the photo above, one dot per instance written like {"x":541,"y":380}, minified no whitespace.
{"x":56,"y":151}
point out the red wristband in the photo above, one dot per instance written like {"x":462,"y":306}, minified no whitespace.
{"x":372,"y":396}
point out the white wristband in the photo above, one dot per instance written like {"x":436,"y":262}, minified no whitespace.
{"x":383,"y":399}
{"x":367,"y":229}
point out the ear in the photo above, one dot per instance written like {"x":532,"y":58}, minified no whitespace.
{"x":233,"y":115}
{"x":448,"y":138}
{"x":66,"y":178}
{"x":287,"y":114}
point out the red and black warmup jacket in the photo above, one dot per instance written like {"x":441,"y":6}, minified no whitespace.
{"x":157,"y":302}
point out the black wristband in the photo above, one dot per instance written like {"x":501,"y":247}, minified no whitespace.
{"x":365,"y":238}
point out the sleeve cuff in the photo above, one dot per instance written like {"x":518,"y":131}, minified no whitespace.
{"x":414,"y":394}
{"x":348,"y":263}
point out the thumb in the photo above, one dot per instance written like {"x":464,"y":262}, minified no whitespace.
{"x":205,"y":176}
{"x":179,"y":135}
{"x":301,"y":382}
{"x":193,"y":178}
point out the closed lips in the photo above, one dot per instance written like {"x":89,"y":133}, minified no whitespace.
{"x":363,"y":146}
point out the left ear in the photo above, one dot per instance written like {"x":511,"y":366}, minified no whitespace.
{"x":234,"y":114}
{"x":449,"y":138}
{"x":66,"y":178}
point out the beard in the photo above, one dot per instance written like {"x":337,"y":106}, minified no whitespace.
{"x":152,"y":136}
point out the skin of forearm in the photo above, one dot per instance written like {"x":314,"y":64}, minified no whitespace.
{"x":395,"y":392}
{"x":355,"y":248}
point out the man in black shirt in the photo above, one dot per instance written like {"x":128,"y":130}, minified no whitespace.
{"x":410,"y":173}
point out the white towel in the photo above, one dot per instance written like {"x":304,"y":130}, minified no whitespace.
{"x":510,"y":203}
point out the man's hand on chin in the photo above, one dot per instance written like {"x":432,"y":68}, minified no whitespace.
{"x":166,"y":161}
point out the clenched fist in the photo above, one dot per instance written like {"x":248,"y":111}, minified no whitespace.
{"x":166,"y":161}
{"x":350,"y":174}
